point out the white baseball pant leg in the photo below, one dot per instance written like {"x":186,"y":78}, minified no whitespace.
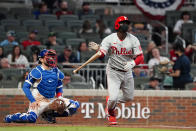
{"x":117,"y":80}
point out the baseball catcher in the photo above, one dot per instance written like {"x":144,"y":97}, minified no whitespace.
{"x":47,"y":96}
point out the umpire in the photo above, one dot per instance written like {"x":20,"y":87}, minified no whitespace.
{"x":181,"y":69}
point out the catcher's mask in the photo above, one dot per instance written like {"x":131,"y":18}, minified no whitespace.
{"x":50,"y":56}
{"x":120,"y":20}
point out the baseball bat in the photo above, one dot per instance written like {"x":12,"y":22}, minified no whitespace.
{"x":94,"y":57}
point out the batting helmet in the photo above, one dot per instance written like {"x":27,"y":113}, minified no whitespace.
{"x":120,"y":19}
{"x":50,"y":56}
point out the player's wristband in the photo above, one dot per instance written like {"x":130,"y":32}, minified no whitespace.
{"x":101,"y":53}
{"x":139,"y":59}
{"x":58,"y":94}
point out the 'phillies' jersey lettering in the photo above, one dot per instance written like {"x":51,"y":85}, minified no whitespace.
{"x":121,"y":52}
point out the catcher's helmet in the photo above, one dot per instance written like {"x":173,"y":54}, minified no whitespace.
{"x":50,"y":56}
{"x":42,"y":53}
{"x":120,"y":19}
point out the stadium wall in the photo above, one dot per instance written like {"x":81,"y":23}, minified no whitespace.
{"x":168,"y":108}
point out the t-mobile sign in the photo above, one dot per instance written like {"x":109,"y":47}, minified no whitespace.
{"x":135,"y":111}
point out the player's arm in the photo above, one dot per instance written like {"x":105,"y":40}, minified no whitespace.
{"x":139,"y":57}
{"x":105,"y":45}
{"x":30,"y":79}
{"x":59,"y":89}
{"x":137,"y":51}
{"x":132,"y":63}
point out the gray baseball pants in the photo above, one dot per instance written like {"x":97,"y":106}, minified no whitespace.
{"x":117,"y":80}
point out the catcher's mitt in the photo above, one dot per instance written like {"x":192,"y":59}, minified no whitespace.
{"x":58,"y":105}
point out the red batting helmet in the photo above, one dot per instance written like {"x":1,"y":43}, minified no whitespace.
{"x":118,"y":20}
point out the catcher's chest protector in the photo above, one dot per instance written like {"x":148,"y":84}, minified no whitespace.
{"x":48,"y":83}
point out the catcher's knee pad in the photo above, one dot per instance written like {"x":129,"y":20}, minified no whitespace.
{"x":74,"y":105}
{"x":30,"y":117}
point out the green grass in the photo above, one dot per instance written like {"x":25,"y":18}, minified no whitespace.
{"x":77,"y":128}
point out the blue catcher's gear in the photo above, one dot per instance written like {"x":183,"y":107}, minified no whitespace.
{"x":50,"y":116}
{"x":42,"y":53}
{"x":61,"y":75}
{"x":50,"y":82}
{"x":29,"y":117}
{"x":50,"y":56}
{"x":73,"y":107}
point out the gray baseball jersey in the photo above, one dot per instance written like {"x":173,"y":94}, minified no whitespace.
{"x":120,"y":52}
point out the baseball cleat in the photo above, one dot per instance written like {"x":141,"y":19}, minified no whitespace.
{"x":112,"y":120}
{"x":47,"y":116}
{"x":112,"y":117}
{"x":110,"y":114}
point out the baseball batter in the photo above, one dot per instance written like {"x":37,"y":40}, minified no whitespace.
{"x":47,"y":79}
{"x":124,"y":53}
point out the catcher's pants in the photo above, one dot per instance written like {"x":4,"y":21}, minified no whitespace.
{"x":117,"y":80}
{"x":44,"y":102}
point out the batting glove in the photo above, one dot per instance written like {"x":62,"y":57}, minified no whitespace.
{"x":129,"y":65}
{"x":93,"y":46}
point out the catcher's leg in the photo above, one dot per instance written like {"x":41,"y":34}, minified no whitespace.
{"x":32,"y":114}
{"x":70,"y":108}
{"x":29,"y":117}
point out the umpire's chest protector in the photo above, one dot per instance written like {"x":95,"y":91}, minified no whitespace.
{"x":48,"y":83}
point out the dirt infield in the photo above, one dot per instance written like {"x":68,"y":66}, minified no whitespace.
{"x":95,"y":125}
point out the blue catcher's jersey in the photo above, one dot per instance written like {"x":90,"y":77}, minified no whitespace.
{"x":46,"y":81}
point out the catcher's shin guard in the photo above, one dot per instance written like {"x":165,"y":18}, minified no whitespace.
{"x":12,"y":118}
{"x":30,"y":117}
{"x":8,"y":119}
